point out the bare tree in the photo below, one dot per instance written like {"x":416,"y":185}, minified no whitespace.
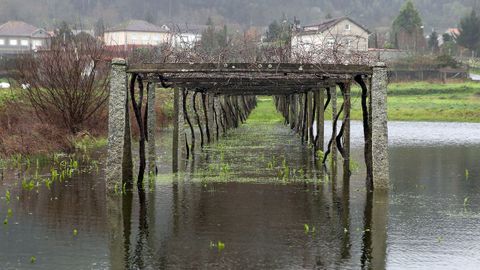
{"x":67,"y":84}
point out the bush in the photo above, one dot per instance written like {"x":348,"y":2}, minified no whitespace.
{"x":67,"y":84}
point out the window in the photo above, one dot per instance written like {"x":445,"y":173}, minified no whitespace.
{"x":145,"y":39}
{"x":2,"y":42}
{"x":24,"y":42}
{"x":36,"y":43}
{"x":330,"y":42}
{"x":349,"y":43}
{"x":347,"y":27}
{"x":13,"y":42}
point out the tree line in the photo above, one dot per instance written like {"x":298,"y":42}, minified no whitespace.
{"x":243,"y":13}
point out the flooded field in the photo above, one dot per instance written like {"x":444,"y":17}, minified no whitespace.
{"x":257,"y":199}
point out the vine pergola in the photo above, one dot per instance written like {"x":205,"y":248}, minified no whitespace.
{"x":225,"y":93}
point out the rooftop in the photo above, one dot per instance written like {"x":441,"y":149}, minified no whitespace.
{"x":138,"y":26}
{"x":325,"y":25}
{"x":19,"y":28}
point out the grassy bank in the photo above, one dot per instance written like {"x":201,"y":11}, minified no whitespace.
{"x":423,"y":101}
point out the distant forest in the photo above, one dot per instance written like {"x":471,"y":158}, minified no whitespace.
{"x":439,"y":14}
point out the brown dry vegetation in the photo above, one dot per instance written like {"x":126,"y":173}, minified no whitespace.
{"x":22,"y":132}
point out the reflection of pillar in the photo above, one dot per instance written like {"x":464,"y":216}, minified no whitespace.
{"x":346,"y":243}
{"x":119,"y":210}
{"x":151,"y":127}
{"x":378,"y":109}
{"x":119,"y":157}
{"x":178,"y":129}
{"x":374,"y":238}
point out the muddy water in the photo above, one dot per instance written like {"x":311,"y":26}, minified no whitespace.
{"x":256,"y":200}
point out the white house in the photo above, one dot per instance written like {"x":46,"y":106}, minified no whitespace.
{"x":340,"y":35}
{"x":21,"y":37}
{"x":135,"y":33}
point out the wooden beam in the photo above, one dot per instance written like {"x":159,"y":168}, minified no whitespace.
{"x":274,"y":68}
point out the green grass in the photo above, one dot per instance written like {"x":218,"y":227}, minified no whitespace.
{"x":265,"y":112}
{"x":8,"y":94}
{"x":423,"y":101}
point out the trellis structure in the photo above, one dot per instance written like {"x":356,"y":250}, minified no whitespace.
{"x":226,"y":92}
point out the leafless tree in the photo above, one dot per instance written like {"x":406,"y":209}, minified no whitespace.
{"x":67,"y":84}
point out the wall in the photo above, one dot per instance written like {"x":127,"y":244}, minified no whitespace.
{"x":31,"y":44}
{"x":336,"y":36}
{"x":135,"y":38}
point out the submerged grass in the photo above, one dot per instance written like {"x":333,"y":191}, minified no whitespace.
{"x":262,"y":150}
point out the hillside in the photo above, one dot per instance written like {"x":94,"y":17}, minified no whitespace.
{"x":440,"y":14}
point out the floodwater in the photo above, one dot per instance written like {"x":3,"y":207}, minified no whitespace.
{"x":256,"y":200}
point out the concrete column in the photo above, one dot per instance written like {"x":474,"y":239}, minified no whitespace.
{"x":291,"y":112}
{"x":211,"y":117}
{"x":218,"y":116}
{"x":309,"y":130}
{"x":151,"y":127}
{"x":178,"y":130}
{"x":320,"y":119}
{"x":379,"y":129}
{"x":346,"y":131}
{"x":333,"y":102}
{"x":119,"y":166}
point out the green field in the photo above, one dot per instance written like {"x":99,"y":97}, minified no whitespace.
{"x":423,"y":101}
{"x":412,"y":101}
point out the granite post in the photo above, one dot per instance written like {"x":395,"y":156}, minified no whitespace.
{"x":379,"y":129}
{"x":151,"y":127}
{"x":119,"y":166}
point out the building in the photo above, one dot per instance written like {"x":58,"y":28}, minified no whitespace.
{"x":186,"y":36}
{"x":20,"y":37}
{"x":340,"y":34}
{"x":136,"y":33}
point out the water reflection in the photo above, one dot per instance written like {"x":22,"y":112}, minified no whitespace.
{"x":374,"y":238}
{"x":262,"y":226}
{"x":260,"y":217}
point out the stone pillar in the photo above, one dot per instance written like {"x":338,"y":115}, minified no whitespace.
{"x":218,"y":116}
{"x":309,"y":130}
{"x":211,"y":116}
{"x":379,"y":129}
{"x":151,"y":128}
{"x":320,"y":119}
{"x":119,"y":166}
{"x":333,"y":102}
{"x":178,"y":130}
{"x":291,"y":112}
{"x":346,"y":130}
